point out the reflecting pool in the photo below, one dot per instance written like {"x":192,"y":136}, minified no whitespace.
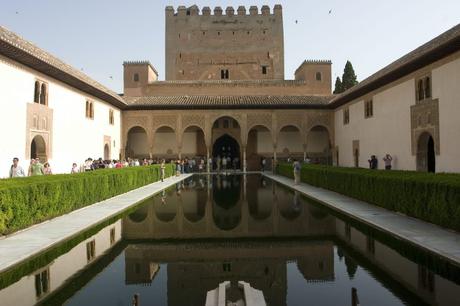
{"x":178,"y":245}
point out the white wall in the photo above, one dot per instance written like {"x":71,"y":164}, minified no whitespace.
{"x":389,"y":130}
{"x":446,"y":87}
{"x":75,"y":137}
{"x":16,"y":89}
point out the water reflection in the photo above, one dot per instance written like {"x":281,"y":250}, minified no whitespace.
{"x":305,"y":252}
{"x":239,"y":206}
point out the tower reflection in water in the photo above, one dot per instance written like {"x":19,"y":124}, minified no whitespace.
{"x":239,"y":207}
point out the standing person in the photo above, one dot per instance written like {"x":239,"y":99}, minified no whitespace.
{"x":36,"y":168}
{"x":178,"y":170}
{"x":162,"y":170}
{"x":16,"y":170}
{"x":209,"y":167}
{"x":218,"y":163}
{"x":88,"y":165}
{"x":388,"y":159}
{"x":47,"y":169}
{"x":74,"y":168}
{"x":224,"y":163}
{"x":373,"y":162}
{"x":296,"y":172}
{"x":262,"y":163}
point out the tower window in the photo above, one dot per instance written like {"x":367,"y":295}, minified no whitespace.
{"x":264,"y":69}
{"x":224,"y":75}
{"x":136,"y":77}
{"x":346,"y":116}
{"x":368,"y":109}
{"x":318,"y":76}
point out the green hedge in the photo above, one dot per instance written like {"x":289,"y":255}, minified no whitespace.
{"x":31,"y":200}
{"x":431,"y":197}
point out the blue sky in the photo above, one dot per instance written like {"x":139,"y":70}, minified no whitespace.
{"x":98,"y":35}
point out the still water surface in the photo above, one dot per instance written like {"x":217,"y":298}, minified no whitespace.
{"x":179,"y":244}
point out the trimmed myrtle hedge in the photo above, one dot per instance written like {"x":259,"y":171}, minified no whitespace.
{"x":431,"y":197}
{"x":30,"y":200}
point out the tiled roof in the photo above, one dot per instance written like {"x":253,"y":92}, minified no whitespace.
{"x":228,"y":102}
{"x":23,"y":51}
{"x":436,"y":49}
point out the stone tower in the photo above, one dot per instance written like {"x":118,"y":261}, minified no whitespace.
{"x":231,"y":45}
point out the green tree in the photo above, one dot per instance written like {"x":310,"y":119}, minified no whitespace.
{"x":338,"y":86}
{"x":349,"y":78}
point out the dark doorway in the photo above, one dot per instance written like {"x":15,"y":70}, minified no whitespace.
{"x":356,"y":155}
{"x":426,"y":154}
{"x":226,"y":146}
{"x":431,"y":157}
{"x":38,"y":148}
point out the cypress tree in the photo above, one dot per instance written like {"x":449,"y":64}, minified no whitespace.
{"x":338,"y":86}
{"x":349,"y":78}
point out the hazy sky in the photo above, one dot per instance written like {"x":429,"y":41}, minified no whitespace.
{"x":98,"y":35}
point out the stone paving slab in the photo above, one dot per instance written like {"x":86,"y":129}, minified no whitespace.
{"x":438,"y":240}
{"x":29,"y":242}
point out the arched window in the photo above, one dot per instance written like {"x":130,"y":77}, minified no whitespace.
{"x":111,"y":117}
{"x":87,"y":110}
{"x":44,"y":94}
{"x":136,"y":77}
{"x":37,"y":92}
{"x":421,"y":95}
{"x":318,"y":76}
{"x":91,"y":110}
{"x":427,"y":87}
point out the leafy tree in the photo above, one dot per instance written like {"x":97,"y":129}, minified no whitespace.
{"x":349,"y":78}
{"x":338,"y":86}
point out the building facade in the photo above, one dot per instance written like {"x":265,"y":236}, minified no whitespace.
{"x":225,"y":95}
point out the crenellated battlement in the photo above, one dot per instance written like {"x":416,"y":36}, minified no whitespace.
{"x":218,"y":11}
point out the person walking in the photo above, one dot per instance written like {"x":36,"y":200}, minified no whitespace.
{"x":162,"y":170}
{"x":388,"y":160}
{"x":296,"y":172}
{"x":16,"y":170}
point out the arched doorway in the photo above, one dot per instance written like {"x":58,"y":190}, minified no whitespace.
{"x":226,"y":146}
{"x":165,"y":143}
{"x":226,"y":136}
{"x":290,"y":144}
{"x":426,"y":154}
{"x":260,"y":145}
{"x":106,"y":152}
{"x":38,"y":148}
{"x":319,"y":145}
{"x":137,"y":144}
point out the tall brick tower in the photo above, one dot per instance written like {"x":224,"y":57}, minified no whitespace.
{"x":234,"y":45}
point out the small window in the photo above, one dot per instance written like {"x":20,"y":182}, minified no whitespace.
{"x":318,"y":76}
{"x":421,"y":93}
{"x":225,"y":124}
{"x":44,"y":94}
{"x":370,"y":244}
{"x":89,"y":110}
{"x":264,"y":69}
{"x":368,"y":109}
{"x":348,"y":231}
{"x":224,"y":75}
{"x":111,"y":117}
{"x":346,"y":116}
{"x":428,"y":87}
{"x":112,"y":236}
{"x":91,"y":250}
{"x":42,"y":283}
{"x":37,"y":92}
{"x":136,"y":77}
